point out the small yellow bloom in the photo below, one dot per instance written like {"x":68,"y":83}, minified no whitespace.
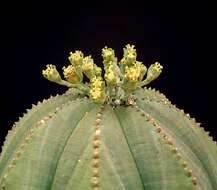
{"x":71,"y":75}
{"x":76,"y":58}
{"x":51,"y":73}
{"x":97,"y":92}
{"x":88,"y":67}
{"x":87,"y":64}
{"x":132,"y":73}
{"x":130,"y":55}
{"x":97,"y":71}
{"x":142,"y":69}
{"x":97,"y":82}
{"x":111,"y":76}
{"x":107,"y":53}
{"x":154,"y":71}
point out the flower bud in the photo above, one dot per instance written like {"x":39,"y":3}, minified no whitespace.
{"x":52,"y":74}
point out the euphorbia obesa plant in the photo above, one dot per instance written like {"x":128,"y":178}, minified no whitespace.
{"x":107,"y":134}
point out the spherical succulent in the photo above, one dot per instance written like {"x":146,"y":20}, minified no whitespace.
{"x":108,"y":133}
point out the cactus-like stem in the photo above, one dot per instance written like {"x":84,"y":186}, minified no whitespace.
{"x":107,"y":134}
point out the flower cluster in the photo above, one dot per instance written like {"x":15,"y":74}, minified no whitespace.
{"x":121,"y":78}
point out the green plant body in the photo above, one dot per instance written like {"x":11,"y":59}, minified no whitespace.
{"x":110,"y":133}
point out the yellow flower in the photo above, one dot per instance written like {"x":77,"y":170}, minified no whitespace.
{"x":71,"y":75}
{"x":107,"y":53}
{"x":97,"y":82}
{"x":154,"y":71}
{"x":111,"y":76}
{"x":88,"y":67}
{"x":51,"y":73}
{"x":142,"y":69}
{"x":132,"y":73}
{"x":97,"y":92}
{"x":76,"y":58}
{"x":97,"y":71}
{"x":87,"y":64}
{"x":129,"y":55}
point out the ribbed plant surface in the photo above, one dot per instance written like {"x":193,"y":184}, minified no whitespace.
{"x":72,"y":142}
